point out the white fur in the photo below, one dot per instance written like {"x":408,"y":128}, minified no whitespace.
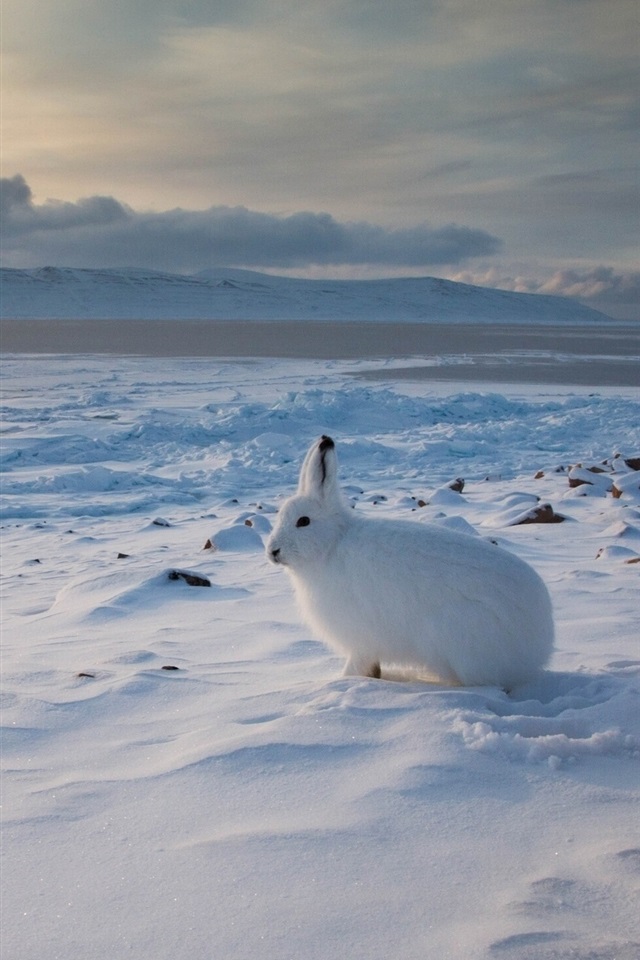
{"x":409,"y":593}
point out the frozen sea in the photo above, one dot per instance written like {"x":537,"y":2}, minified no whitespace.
{"x":186,"y":774}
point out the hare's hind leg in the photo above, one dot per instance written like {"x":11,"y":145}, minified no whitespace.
{"x":359,"y":667}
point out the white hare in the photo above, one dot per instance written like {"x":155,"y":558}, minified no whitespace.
{"x":408,"y":593}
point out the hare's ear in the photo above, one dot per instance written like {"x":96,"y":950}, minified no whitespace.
{"x":319,"y":473}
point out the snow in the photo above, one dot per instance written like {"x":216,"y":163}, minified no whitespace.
{"x":251,"y":802}
{"x":231,"y":294}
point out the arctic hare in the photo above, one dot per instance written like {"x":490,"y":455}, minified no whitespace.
{"x":408,"y":593}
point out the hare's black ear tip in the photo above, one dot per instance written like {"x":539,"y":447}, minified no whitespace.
{"x":326,"y":443}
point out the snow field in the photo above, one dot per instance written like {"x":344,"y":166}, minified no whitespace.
{"x":252,"y":802}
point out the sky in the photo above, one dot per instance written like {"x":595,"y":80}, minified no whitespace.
{"x":492,"y":142}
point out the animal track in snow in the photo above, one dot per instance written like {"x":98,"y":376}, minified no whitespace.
{"x":560,"y":720}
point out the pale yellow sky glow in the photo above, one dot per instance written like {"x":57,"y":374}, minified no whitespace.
{"x":515,"y":122}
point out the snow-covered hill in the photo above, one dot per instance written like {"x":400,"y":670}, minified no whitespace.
{"x":228,"y":294}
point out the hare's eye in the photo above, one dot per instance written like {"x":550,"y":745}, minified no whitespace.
{"x":303,"y":522}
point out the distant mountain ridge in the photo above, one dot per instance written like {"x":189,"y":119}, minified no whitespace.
{"x":233,"y":294}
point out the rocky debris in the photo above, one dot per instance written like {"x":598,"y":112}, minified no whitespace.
{"x":542,"y":513}
{"x":603,"y":477}
{"x":627,"y":483}
{"x":258,"y":521}
{"x":449,"y":494}
{"x":590,"y":476}
{"x":374,"y":498}
{"x":193,"y":579}
{"x":408,"y":500}
{"x":542,"y":473}
{"x":240,"y":536}
{"x":616,"y":552}
{"x":263,"y":507}
{"x":615,"y":475}
{"x":523,"y":508}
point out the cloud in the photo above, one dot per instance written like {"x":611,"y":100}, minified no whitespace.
{"x":20,"y":216}
{"x":515,"y":119}
{"x":101,"y":231}
{"x":591,"y":284}
{"x":603,"y":288}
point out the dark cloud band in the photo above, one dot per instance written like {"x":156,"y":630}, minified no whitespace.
{"x":100,"y":231}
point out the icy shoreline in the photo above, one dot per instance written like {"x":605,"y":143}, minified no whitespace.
{"x":502,"y":353}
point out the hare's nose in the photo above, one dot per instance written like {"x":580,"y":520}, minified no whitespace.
{"x":274,"y":554}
